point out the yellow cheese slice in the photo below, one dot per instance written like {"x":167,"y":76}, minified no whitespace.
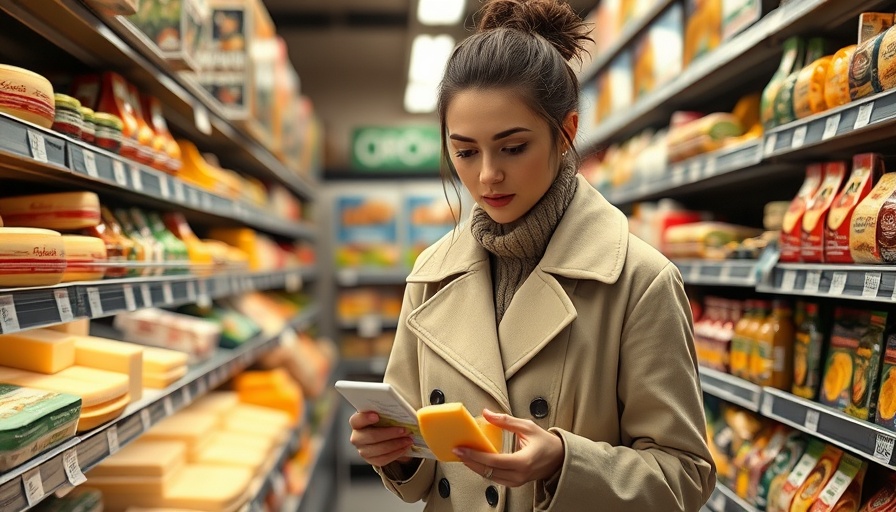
{"x":445,"y":427}
{"x":92,"y":417}
{"x":219,"y":453}
{"x":163,"y":380}
{"x":92,"y":393}
{"x":37,"y":350}
{"x":113,"y":356}
{"x":160,"y":360}
{"x":80,"y":327}
{"x":143,"y":458}
{"x":194,"y":429}
{"x":216,"y":402}
{"x":63,"y":211}
{"x":138,"y":487}
{"x":116,"y":384}
{"x":31,"y":257}
{"x":83,"y":256}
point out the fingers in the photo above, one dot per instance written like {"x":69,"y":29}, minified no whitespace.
{"x":510,"y":423}
{"x":361,"y":420}
{"x":381,"y":454}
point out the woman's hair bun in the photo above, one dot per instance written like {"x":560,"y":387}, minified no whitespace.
{"x":553,"y":20}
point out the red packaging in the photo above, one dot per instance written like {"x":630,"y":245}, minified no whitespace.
{"x":791,"y":231}
{"x":867,"y":168}
{"x":815,"y":217}
{"x":109,"y":93}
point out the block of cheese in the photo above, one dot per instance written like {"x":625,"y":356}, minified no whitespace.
{"x":195,"y":487}
{"x":220,"y":453}
{"x":154,"y":380}
{"x":253,"y":442}
{"x":63,"y":210}
{"x":84,"y":256}
{"x":194,"y":429}
{"x":216,"y":402}
{"x":447,"y":426}
{"x":92,"y":417}
{"x":114,"y":356}
{"x":27,"y":95}
{"x":37,"y":350}
{"x":31,"y":257}
{"x":117,"y":383}
{"x":136,"y":486}
{"x":160,"y":360}
{"x":92,"y":393}
{"x":266,"y":415}
{"x":80,"y":327}
{"x":246,"y":425}
{"x":143,"y":458}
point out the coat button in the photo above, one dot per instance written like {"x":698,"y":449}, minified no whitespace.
{"x":491,"y":495}
{"x":539,"y":408}
{"x":444,"y":488}
{"x":436,"y":397}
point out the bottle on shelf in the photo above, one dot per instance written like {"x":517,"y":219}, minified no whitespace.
{"x":807,"y":354}
{"x":772,"y":361}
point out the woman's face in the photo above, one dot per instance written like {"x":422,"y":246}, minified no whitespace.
{"x":503,"y":152}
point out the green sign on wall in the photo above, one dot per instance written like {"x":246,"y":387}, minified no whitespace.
{"x":415,"y":148}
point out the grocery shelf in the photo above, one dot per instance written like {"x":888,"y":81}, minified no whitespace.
{"x":113,"y":43}
{"x":272,"y":473}
{"x":321,"y":485}
{"x":304,"y":320}
{"x":712,"y":74}
{"x":371,"y":277}
{"x":718,"y":273}
{"x":875,"y":283}
{"x":861,"y":437}
{"x":28,"y":308}
{"x":724,"y":499}
{"x":31,"y":152}
{"x":369,"y":323}
{"x":731,"y":389}
{"x":626,"y":39}
{"x":61,"y":466}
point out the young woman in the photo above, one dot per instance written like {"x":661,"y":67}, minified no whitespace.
{"x":542,"y":312}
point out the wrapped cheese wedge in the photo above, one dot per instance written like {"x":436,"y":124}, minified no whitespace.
{"x":27,"y":95}
{"x":31,"y":257}
{"x":84,"y":256}
{"x":58,"y":211}
{"x":92,"y":417}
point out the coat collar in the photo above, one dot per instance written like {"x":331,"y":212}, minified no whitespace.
{"x":458,"y":322}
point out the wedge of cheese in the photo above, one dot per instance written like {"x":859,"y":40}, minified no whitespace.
{"x":220,"y":453}
{"x":163,"y":380}
{"x":38,"y":350}
{"x":31,"y":257}
{"x":114,"y":356}
{"x":160,"y":360}
{"x":216,"y":402}
{"x":193,"y":429}
{"x":447,"y":426}
{"x":62,"y":211}
{"x":92,"y":417}
{"x":93,"y":392}
{"x":84,"y":256}
{"x":143,"y":458}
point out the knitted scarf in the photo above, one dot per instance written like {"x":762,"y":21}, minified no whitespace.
{"x":517,"y":247}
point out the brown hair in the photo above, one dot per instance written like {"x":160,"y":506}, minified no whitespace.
{"x":523,"y":45}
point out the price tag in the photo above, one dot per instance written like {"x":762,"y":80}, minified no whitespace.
{"x":72,"y":468}
{"x":811,"y":423}
{"x":137,"y":178}
{"x":813,"y":281}
{"x":121,"y":177}
{"x":694,"y":171}
{"x":206,"y":202}
{"x":678,"y":175}
{"x":179,"y":194}
{"x":202,"y":386}
{"x":145,"y":419}
{"x":725,"y":273}
{"x":293,"y":282}
{"x":768,"y":403}
{"x":38,"y":146}
{"x":193,"y":196}
{"x":34,"y":486}
{"x":799,"y":137}
{"x":64,"y":305}
{"x":112,"y":437}
{"x":838,"y":283}
{"x":168,"y":405}
{"x":130,"y":302}
{"x":90,"y":164}
{"x":203,"y":300}
{"x":201,"y":119}
{"x":167,"y":293}
{"x":718,"y":502}
{"x":830,"y":126}
{"x":370,"y":326}
{"x":788,"y":281}
{"x":191,"y":291}
{"x":96,"y":305}
{"x":163,"y":186}
{"x":771,"y":140}
{"x":9,"y":320}
{"x":711,"y":165}
{"x":694,"y":273}
{"x":872,"y":284}
{"x":864,"y":115}
{"x":883,"y":448}
{"x":146,"y":295}
{"x":186,"y":395}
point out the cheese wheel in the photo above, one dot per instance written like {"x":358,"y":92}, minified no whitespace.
{"x":836,"y":87}
{"x":82,"y":254}
{"x":143,"y":458}
{"x":37,"y":350}
{"x":92,"y":393}
{"x":154,"y":380}
{"x":160,"y":360}
{"x":31,"y":257}
{"x":62,"y":211}
{"x":26,"y":95}
{"x":447,"y":426}
{"x":808,"y":94}
{"x":114,"y":356}
{"x":92,"y":417}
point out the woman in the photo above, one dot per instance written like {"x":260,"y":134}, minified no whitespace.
{"x":542,"y":311}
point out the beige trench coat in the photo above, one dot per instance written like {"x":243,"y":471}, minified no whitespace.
{"x":600,"y":333}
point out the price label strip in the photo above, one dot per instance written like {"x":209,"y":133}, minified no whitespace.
{"x":145,"y":419}
{"x":146,"y":295}
{"x":838,"y":283}
{"x":90,"y":164}
{"x":771,"y":141}
{"x":168,"y":405}
{"x":9,"y":320}
{"x":830,"y":126}
{"x":179,"y":194}
{"x":163,"y":185}
{"x":38,"y":145}
{"x":93,"y":298}
{"x":799,"y":137}
{"x":864,"y":115}
{"x":872,"y":285}
{"x":167,"y":293}
{"x":813,"y":281}
{"x":121,"y":176}
{"x":788,"y":282}
{"x":883,"y":448}
{"x":137,"y":178}
{"x":63,"y":305}
{"x":767,"y":407}
{"x":812,"y":418}
{"x":73,"y":468}
{"x":130,"y":301}
{"x":112,"y":438}
{"x":34,"y":487}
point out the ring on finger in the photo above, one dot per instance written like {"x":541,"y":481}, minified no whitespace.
{"x":488,"y":473}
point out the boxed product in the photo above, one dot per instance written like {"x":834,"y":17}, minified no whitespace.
{"x":816,"y":464}
{"x":816,"y":481}
{"x":703,"y":28}
{"x":866,"y":170}
{"x":737,"y":15}
{"x":429,"y":218}
{"x":812,"y":237}
{"x":159,"y":328}
{"x":367,"y":230}
{"x":658,"y":52}
{"x":872,"y":236}
{"x":177,"y":27}
{"x":807,"y":354}
{"x":844,"y":490}
{"x":620,"y":81}
{"x":886,"y":402}
{"x":33,"y":420}
{"x":792,"y":228}
{"x":772,"y":481}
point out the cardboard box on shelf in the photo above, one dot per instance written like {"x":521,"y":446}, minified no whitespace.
{"x":176,"y":27}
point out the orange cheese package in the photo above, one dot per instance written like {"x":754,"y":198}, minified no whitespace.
{"x":866,"y":170}
{"x":450,"y":425}
{"x":812,"y":237}
{"x":791,"y":230}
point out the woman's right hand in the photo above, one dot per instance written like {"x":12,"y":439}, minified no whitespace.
{"x":379,"y":446}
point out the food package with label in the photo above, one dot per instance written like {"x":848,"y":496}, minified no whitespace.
{"x":429,"y":217}
{"x":703,"y":29}
{"x":807,"y":350}
{"x":31,"y":257}
{"x":658,"y":52}
{"x":738,"y":15}
{"x":812,"y":237}
{"x":867,"y":169}
{"x":786,"y":99}
{"x":63,"y":211}
{"x":808,"y":92}
{"x":119,"y":248}
{"x":885,"y":415}
{"x":815,"y":482}
{"x":843,"y":491}
{"x":836,"y":87}
{"x":883,"y":500}
{"x":796,"y":480}
{"x":164,"y":142}
{"x":791,"y":61}
{"x":177,"y":27}
{"x":761,"y":460}
{"x":109,"y":93}
{"x":26,"y":95}
{"x":367,"y":230}
{"x":871,"y":66}
{"x":872,"y":237}
{"x":792,"y":228}
{"x":853,"y":362}
{"x":703,"y":239}
{"x":772,"y":480}
{"x":159,"y":328}
{"x":85,"y":258}
{"x":32,"y":420}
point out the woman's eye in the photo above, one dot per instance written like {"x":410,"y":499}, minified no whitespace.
{"x":515,"y":150}
{"x":464,"y":153}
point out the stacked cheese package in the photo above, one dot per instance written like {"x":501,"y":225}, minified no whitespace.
{"x":212,"y":456}
{"x":107,"y":375}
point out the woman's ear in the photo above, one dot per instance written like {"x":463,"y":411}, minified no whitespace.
{"x":570,"y":127}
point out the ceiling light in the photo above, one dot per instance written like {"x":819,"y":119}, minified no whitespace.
{"x":428,"y":57}
{"x":440,"y":12}
{"x":420,"y":98}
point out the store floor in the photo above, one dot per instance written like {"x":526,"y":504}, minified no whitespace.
{"x":366,"y":493}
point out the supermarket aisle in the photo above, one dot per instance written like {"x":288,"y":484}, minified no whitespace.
{"x":367,"y":494}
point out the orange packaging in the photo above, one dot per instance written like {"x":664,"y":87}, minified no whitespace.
{"x":109,"y":93}
{"x":146,"y":136}
{"x":815,"y":481}
{"x":152,"y":112}
{"x":812,"y":241}
{"x":791,"y":230}
{"x":867,"y":168}
{"x":843,"y":491}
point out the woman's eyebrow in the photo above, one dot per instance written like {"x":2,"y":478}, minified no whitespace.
{"x":498,"y":136}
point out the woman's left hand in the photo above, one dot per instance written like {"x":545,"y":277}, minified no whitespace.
{"x":539,"y":455}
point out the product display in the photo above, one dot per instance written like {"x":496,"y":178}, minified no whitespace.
{"x":33,"y":420}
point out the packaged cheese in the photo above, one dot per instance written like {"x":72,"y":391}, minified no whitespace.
{"x":884,"y":73}
{"x":447,"y":426}
{"x":791,"y":60}
{"x":31,"y":257}
{"x":58,"y":211}
{"x":812,"y":236}
{"x":785,"y":99}
{"x":871,"y":238}
{"x":844,"y":490}
{"x":114,"y":356}
{"x":791,"y":230}
{"x":808,"y":92}
{"x":861,"y":69}
{"x":143,"y":458}
{"x":37,"y":350}
{"x":886,"y":402}
{"x":821,"y":474}
{"x":33,"y":420}
{"x":164,"y":329}
{"x":84,"y":258}
{"x":866,"y":171}
{"x":26,"y":95}
{"x":873,"y":23}
{"x":836,"y":88}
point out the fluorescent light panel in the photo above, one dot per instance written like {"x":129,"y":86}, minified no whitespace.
{"x":420,"y":98}
{"x":440,"y":12}
{"x":428,"y":57}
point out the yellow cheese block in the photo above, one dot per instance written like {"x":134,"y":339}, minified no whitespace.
{"x":219,"y":453}
{"x":143,"y":458}
{"x":83,"y":256}
{"x":250,"y":441}
{"x":160,"y":360}
{"x":154,"y":380}
{"x":114,"y":356}
{"x":445,"y":427}
{"x":37,"y":350}
{"x":92,"y":393}
{"x":191,"y":428}
{"x":216,"y":402}
{"x":117,"y":383}
{"x":80,"y":327}
{"x":27,"y":95}
{"x":92,"y":417}
{"x":31,"y":257}
{"x":63,"y":210}
{"x":246,"y":425}
{"x":136,"y":486}
{"x":195,"y":487}
{"x":266,"y":415}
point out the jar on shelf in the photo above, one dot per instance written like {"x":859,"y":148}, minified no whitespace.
{"x":68,"y":119}
{"x":88,"y":129}
{"x":108,"y":131}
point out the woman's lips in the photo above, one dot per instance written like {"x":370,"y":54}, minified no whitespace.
{"x":498,"y":201}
